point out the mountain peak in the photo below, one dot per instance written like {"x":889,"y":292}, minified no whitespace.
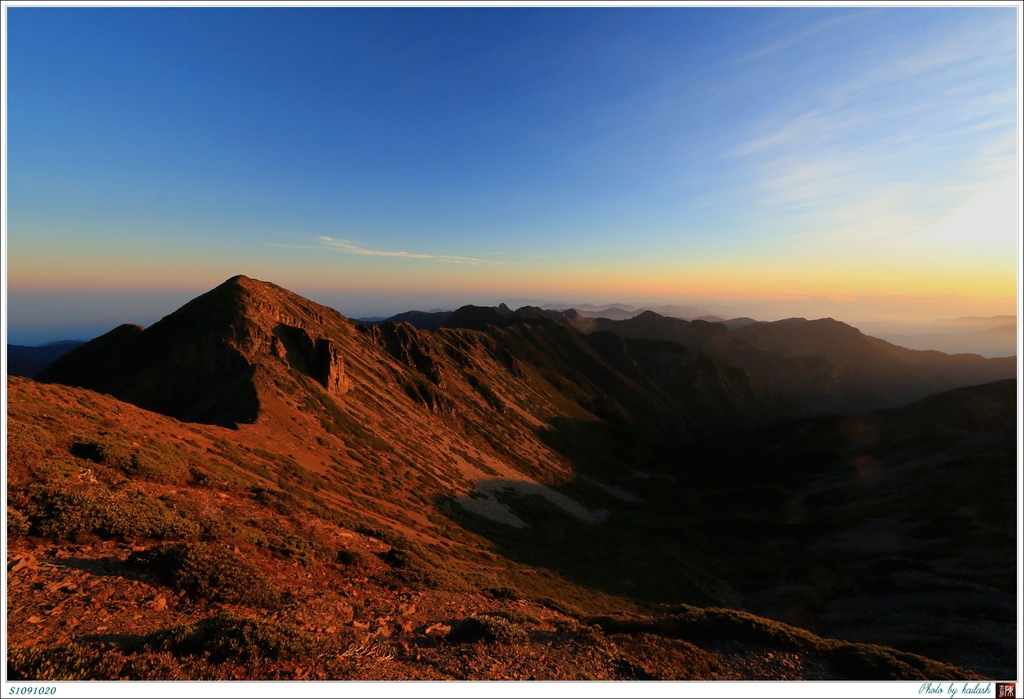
{"x":204,"y":361}
{"x":649,"y":316}
{"x":258,"y":286}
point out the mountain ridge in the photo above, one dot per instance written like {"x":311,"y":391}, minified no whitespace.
{"x":825,"y":364}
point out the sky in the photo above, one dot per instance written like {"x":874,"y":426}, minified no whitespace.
{"x":854,"y":162}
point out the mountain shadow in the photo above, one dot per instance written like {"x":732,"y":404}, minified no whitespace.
{"x":823,"y":523}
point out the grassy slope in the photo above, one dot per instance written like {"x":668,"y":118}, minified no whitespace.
{"x":135,"y":578}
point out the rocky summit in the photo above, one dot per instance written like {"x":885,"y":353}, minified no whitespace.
{"x":256,"y":487}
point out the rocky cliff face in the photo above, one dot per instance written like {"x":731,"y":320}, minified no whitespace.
{"x":297,"y":332}
{"x":320,"y":358}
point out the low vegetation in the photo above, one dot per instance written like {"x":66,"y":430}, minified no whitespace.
{"x":163,"y":466}
{"x":414,"y":565}
{"x":489,"y":629}
{"x":222,"y":638}
{"x":856,"y":661}
{"x":72,"y":515}
{"x":75,"y":662}
{"x":208,"y":572}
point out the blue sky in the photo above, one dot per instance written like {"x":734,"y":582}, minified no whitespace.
{"x":857,"y":160}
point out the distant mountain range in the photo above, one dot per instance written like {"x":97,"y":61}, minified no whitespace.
{"x":994,"y":336}
{"x":256,"y":487}
{"x":23,"y":360}
{"x":825,"y":365}
{"x":623,"y":311}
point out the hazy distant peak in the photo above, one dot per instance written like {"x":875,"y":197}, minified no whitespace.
{"x":649,"y":315}
{"x":741,"y":322}
{"x":837,"y":325}
{"x":26,"y":360}
{"x":477,"y":317}
{"x":424,"y":320}
{"x":823,"y":324}
{"x":981,"y":319}
{"x":800,"y":320}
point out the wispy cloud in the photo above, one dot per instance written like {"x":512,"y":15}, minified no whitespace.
{"x":811,"y":128}
{"x":924,"y":96}
{"x":351,"y":247}
{"x":791,"y":40}
{"x":293,"y":246}
{"x":864,"y":156}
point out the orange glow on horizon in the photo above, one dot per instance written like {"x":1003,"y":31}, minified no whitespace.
{"x":769,"y":284}
{"x":545,"y":279}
